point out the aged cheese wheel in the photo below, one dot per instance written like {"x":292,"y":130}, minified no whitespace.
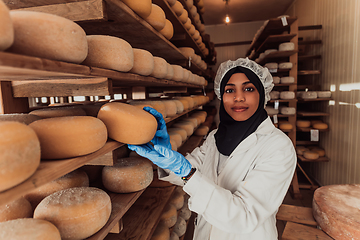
{"x":187,"y":24}
{"x":180,"y":226}
{"x":274,"y":94}
{"x":173,"y":144}
{"x":320,"y":125}
{"x":301,"y":149}
{"x":319,"y":151}
{"x":159,"y":106}
{"x":19,"y":208}
{"x":127,"y":123}
{"x":170,"y":107}
{"x":336,"y":210}
{"x":285,"y":65}
{"x":201,"y":114}
{"x":303,"y":123}
{"x":177,"y":139}
{"x":189,"y":3}
{"x":156,"y":18}
{"x":168,"y":30}
{"x":309,"y":94}
{"x":178,"y":8}
{"x":6,"y":27}
{"x":187,"y":51}
{"x":311,"y":155}
{"x":29,"y":229}
{"x":169,"y":215}
{"x":192,"y":30}
{"x":285,"y":126}
{"x":178,"y":73}
{"x":60,"y":39}
{"x":193,"y":120}
{"x":170,"y":72}
{"x":66,"y":137}
{"x":19,"y":117}
{"x":179,"y":131}
{"x":19,"y":153}
{"x":193,"y":10}
{"x":268,"y":51}
{"x":271,"y":110}
{"x":143,"y":62}
{"x":186,"y":75}
{"x":287,"y":80}
{"x":77,"y":178}
{"x":287,"y":46}
{"x":77,"y":212}
{"x":276,"y":80}
{"x":160,"y":68}
{"x":272,"y":65}
{"x":177,"y":199}
{"x":187,"y":126}
{"x":130,"y":174}
{"x":171,"y":2}
{"x":141,"y":7}
{"x":109,"y":52}
{"x":174,"y":236}
{"x":179,"y":106}
{"x":288,"y":110}
{"x":323,"y":94}
{"x":52,"y":112}
{"x":185,"y":212}
{"x":202,"y":131}
{"x":190,"y":101}
{"x":184,"y":16}
{"x":161,"y":232}
{"x":184,"y":102}
{"x":287,"y":95}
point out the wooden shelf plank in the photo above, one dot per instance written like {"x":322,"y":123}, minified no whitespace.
{"x":51,"y":170}
{"x":273,"y":41}
{"x":320,"y":159}
{"x":297,"y":214}
{"x":310,"y":27}
{"x":309,"y":128}
{"x":309,"y":72}
{"x":308,"y":57}
{"x":120,"y":204}
{"x":300,"y":143}
{"x":275,"y":55}
{"x":295,"y":231}
{"x":283,"y":100}
{"x":312,"y":114}
{"x":314,"y":99}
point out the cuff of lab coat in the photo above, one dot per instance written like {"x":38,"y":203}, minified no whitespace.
{"x":200,"y":190}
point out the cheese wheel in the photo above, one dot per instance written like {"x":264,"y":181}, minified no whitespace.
{"x":301,"y":149}
{"x":179,"y":106}
{"x":66,"y":137}
{"x":186,"y":75}
{"x":160,"y":68}
{"x":143,"y":62}
{"x":272,"y":65}
{"x":336,"y":210}
{"x":60,"y":39}
{"x":160,"y":107}
{"x":274,"y":94}
{"x":202,"y":131}
{"x":6,"y":27}
{"x":287,"y":46}
{"x":176,"y":138}
{"x":77,"y":178}
{"x":130,"y":174}
{"x":187,"y":24}
{"x":109,"y":52}
{"x":268,"y":51}
{"x":171,"y":2}
{"x":276,"y":80}
{"x":184,"y":16}
{"x":184,"y":102}
{"x":168,"y":30}
{"x":170,"y":107}
{"x":179,"y":131}
{"x":177,"y":199}
{"x":287,"y":95}
{"x":29,"y":229}
{"x":285,"y":126}
{"x":178,"y":73}
{"x":319,"y":151}
{"x":19,"y":208}
{"x":189,"y":3}
{"x":91,"y":110}
{"x":192,"y":30}
{"x":169,"y":215}
{"x":288,"y":110}
{"x":161,"y":232}
{"x":156,"y":18}
{"x":141,"y":7}
{"x":271,"y":110}
{"x":310,"y":155}
{"x":303,"y":123}
{"x":187,"y":51}
{"x":173,"y":144}
{"x":323,"y":94}
{"x":193,"y":10}
{"x":19,"y":153}
{"x":127,"y":123}
{"x":19,"y":117}
{"x":287,"y":80}
{"x":52,"y":112}
{"x":285,"y":65}
{"x":174,"y":236}
{"x":320,"y":126}
{"x":77,"y":212}
{"x":190,"y":101}
{"x":185,"y":212}
{"x":309,"y":95}
{"x":180,"y":226}
{"x":178,"y":8}
{"x":170,"y":72}
{"x":193,"y":120}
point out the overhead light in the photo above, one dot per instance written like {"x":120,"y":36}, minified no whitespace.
{"x":227,"y":18}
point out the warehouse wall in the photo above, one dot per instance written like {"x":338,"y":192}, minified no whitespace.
{"x":340,"y":67}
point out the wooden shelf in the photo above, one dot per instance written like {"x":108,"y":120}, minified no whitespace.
{"x":275,"y":55}
{"x":312,"y":114}
{"x":320,"y":159}
{"x":282,"y":115}
{"x":300,"y":143}
{"x":309,"y":72}
{"x":282,"y":100}
{"x":309,"y":129}
{"x":308,"y":57}
{"x":314,"y":99}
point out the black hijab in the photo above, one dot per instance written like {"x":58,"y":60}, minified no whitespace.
{"x":231,"y":132}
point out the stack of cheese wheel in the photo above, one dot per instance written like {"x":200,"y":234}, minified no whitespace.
{"x":109,"y":52}
{"x":130,"y":174}
{"x":128,"y":124}
{"x":169,"y":215}
{"x":143,"y":62}
{"x":287,"y":80}
{"x":16,"y":138}
{"x":19,"y":208}
{"x":272,"y":66}
{"x":187,"y":51}
{"x":178,"y":73}
{"x":323,"y":94}
{"x":160,"y":68}
{"x":30,"y":229}
{"x":52,"y":112}
{"x":66,"y":137}
{"x":200,"y":115}
{"x":336,"y":210}
{"x":6,"y":28}
{"x":77,"y":178}
{"x":318,"y":150}
{"x":308,"y":94}
{"x":60,"y":39}
{"x":141,"y":7}
{"x":19,"y":117}
{"x":77,"y":212}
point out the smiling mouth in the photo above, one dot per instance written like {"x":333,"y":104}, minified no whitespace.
{"x":239,"y":109}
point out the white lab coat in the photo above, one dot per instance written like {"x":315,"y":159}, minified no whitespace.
{"x":242,"y":201}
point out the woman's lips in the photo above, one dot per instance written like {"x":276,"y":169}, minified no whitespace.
{"x":239,"y":109}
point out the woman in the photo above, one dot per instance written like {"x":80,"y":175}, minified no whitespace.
{"x":239,"y":177}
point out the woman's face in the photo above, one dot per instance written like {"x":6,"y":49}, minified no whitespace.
{"x":241,"y":98}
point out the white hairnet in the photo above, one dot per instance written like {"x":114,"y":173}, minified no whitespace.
{"x":262,"y":73}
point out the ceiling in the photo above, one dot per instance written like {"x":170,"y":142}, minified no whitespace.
{"x":243,"y":10}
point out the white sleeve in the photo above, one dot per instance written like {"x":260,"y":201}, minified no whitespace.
{"x":255,"y":200}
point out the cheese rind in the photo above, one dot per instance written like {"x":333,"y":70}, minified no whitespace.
{"x":156,"y":18}
{"x":19,"y":153}
{"x":60,"y":39}
{"x":168,"y":30}
{"x":6,"y":27}
{"x":19,"y":208}
{"x":169,"y":215}
{"x":19,"y":117}
{"x":143,"y":62}
{"x":160,"y":68}
{"x":52,"y":112}
{"x":141,"y":7}
{"x":127,"y":123}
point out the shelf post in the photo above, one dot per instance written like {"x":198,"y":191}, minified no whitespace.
{"x":9,"y":104}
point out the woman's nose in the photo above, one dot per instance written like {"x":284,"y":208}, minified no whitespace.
{"x":239,"y":97}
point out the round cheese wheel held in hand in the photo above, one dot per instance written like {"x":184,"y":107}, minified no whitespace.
{"x":141,"y":7}
{"x":48,"y":36}
{"x":77,"y":212}
{"x":143,"y":62}
{"x":130,"y":174}
{"x":128,"y":124}
{"x":156,"y":18}
{"x":19,"y":153}
{"x":6,"y":27}
{"x":109,"y":52}
{"x":66,"y":137}
{"x":29,"y":229}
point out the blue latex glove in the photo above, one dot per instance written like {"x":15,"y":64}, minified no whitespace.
{"x":164,"y":158}
{"x":161,"y":136}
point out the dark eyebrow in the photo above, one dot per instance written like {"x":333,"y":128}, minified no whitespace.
{"x":231,"y":84}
